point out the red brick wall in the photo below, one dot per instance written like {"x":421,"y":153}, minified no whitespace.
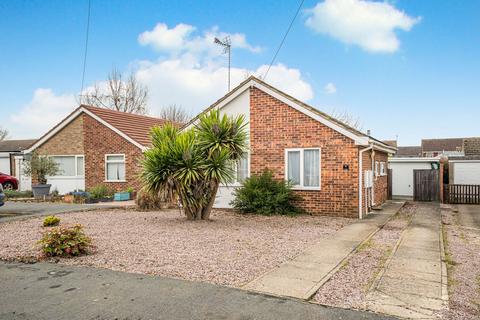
{"x":381,"y":183}
{"x":275,"y":126}
{"x":380,"y":187}
{"x":99,"y":141}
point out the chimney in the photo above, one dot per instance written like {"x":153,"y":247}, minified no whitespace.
{"x":368,"y":132}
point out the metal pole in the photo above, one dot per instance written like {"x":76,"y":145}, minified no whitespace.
{"x":229,"y":50}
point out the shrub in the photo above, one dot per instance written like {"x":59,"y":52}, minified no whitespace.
{"x":146,"y":201}
{"x":100,"y":191}
{"x":65,"y":242}
{"x":40,"y":167}
{"x":263,"y":194}
{"x":51,"y":221}
{"x":18,"y":194}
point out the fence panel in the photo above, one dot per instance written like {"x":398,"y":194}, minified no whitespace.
{"x":462,"y":193}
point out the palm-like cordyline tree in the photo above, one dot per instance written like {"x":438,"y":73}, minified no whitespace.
{"x":190,"y":165}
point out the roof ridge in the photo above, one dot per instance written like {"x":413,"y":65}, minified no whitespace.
{"x":123,"y":112}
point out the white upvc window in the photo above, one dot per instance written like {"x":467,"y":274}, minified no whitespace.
{"x":302,"y":168}
{"x":115,"y":168}
{"x":242,"y":169}
{"x":382,"y":169}
{"x":70,"y":165}
{"x":376,"y":169}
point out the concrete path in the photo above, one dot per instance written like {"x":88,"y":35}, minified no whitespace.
{"x":51,"y":291}
{"x":414,"y":283}
{"x":469,"y":216}
{"x":19,"y":210}
{"x":302,"y":276}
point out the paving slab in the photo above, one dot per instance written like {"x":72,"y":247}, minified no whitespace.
{"x":302,"y":276}
{"x":412,"y":285}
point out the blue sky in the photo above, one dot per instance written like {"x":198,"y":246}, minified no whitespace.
{"x":406,"y":68}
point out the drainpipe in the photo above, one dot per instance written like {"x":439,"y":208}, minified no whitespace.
{"x":360,"y":180}
{"x":374,"y":177}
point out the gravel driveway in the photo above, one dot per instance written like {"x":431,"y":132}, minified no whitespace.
{"x":231,"y":249}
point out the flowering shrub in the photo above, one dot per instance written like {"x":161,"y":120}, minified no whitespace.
{"x":65,"y":242}
{"x":51,"y":221}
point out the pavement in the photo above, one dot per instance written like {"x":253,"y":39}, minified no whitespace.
{"x":414,"y":282}
{"x":13,"y":210}
{"x":52,"y":291}
{"x":302,"y":276}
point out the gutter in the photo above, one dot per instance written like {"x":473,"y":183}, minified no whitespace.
{"x":360,"y":180}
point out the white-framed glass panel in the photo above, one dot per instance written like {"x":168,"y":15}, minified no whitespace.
{"x":382,"y":168}
{"x":66,"y":166}
{"x":115,"y":167}
{"x":80,"y":166}
{"x":303,"y":167}
{"x":293,"y":167}
{"x":376,"y":168}
{"x":311,"y":165}
{"x":242,"y":169}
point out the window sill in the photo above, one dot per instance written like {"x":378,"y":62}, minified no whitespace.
{"x":306,"y":188}
{"x":109,"y":181}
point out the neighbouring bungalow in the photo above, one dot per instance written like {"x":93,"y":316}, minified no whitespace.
{"x":337,"y":169}
{"x":96,"y":146}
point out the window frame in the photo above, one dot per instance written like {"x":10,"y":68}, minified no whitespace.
{"x":75,"y":156}
{"x":301,"y":186}
{"x":383,"y":172}
{"x":376,"y":170}
{"x":239,"y":183}
{"x":115,"y":161}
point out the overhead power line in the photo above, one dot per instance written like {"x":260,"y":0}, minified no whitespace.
{"x":284,"y":37}
{"x":86,"y":47}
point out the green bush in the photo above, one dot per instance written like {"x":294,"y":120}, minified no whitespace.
{"x":65,"y":242}
{"x":50,"y":221}
{"x":18,"y":194}
{"x":100,"y":191}
{"x":263,"y":194}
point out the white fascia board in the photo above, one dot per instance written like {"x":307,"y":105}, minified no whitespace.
{"x":73,"y":116}
{"x":359,"y":140}
{"x":384,"y":149}
{"x":407,"y":159}
{"x":464,"y":161}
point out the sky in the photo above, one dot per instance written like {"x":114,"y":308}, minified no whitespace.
{"x":406,"y":69}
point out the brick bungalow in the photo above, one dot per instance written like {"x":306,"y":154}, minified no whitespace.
{"x":337,"y":169}
{"x":97,"y":146}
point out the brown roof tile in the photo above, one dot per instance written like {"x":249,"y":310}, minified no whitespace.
{"x":409,"y":152}
{"x":15,"y":145}
{"x":135,"y":126}
{"x":451,"y":144}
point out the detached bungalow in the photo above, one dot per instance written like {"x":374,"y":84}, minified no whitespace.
{"x":337,"y":169}
{"x":96,"y":146}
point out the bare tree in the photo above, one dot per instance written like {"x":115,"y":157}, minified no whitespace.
{"x":3,"y":134}
{"x":347,"y":118}
{"x":175,"y":113}
{"x":118,"y":94}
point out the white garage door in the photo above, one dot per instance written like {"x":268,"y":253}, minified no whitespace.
{"x":466,"y":173}
{"x":5,"y":164}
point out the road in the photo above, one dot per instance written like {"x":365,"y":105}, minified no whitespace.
{"x":51,"y":291}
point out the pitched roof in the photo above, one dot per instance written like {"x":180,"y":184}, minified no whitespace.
{"x":408,"y":151}
{"x":450,"y":144}
{"x":392,"y":143}
{"x":135,"y":126}
{"x":15,"y":145}
{"x":255,"y":81}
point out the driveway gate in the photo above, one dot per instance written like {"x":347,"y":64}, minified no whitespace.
{"x":426,"y":185}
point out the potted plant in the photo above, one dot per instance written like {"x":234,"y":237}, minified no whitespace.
{"x":39,"y":167}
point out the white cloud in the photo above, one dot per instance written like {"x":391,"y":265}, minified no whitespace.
{"x":192,"y":74}
{"x":330,"y":88}
{"x":370,"y":25}
{"x":39,"y":115}
{"x":180,"y":39}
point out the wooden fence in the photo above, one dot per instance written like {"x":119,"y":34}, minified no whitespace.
{"x":462,"y":193}
{"x":426,"y":185}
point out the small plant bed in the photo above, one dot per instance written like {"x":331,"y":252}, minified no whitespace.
{"x":230,"y":249}
{"x":349,"y":287}
{"x":462,"y":251}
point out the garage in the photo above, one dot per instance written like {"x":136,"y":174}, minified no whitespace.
{"x":464,"y":170}
{"x":402,"y":171}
